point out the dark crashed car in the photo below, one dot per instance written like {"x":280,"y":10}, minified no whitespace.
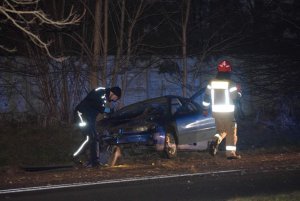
{"x":164,"y":124}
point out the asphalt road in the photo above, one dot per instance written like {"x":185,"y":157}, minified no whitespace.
{"x":199,"y":186}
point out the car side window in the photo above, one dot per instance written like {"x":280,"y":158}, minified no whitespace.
{"x":188,"y":108}
{"x":175,"y":105}
{"x":191,"y":108}
{"x":183,"y":108}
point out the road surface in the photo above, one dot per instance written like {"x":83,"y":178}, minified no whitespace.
{"x":218,"y":185}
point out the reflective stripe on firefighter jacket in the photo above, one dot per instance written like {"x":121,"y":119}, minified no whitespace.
{"x":220,"y":94}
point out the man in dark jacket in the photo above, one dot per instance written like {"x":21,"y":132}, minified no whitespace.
{"x":86,"y":113}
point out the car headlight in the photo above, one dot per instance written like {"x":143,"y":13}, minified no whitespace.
{"x":141,"y":128}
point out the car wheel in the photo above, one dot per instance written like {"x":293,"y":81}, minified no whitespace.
{"x":170,"y":149}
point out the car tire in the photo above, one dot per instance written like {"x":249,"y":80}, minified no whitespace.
{"x":170,"y":149}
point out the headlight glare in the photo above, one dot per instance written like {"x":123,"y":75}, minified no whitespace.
{"x":141,"y":128}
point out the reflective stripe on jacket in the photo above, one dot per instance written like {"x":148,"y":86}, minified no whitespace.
{"x":221,"y":94}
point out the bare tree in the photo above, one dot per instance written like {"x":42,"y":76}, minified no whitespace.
{"x":96,"y":44}
{"x":24,"y":13}
{"x":120,"y":40}
{"x":185,"y":17}
{"x":136,"y":14}
{"x":105,"y":43}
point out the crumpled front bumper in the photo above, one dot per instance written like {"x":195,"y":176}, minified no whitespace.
{"x":150,"y":139}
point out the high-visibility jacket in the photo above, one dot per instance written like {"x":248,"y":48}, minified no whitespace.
{"x":220,"y":94}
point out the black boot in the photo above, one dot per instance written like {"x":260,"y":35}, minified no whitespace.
{"x":77,"y":161}
{"x":213,"y":148}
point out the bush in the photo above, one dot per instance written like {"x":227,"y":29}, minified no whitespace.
{"x":32,"y":145}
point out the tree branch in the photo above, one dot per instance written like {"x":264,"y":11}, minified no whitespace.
{"x":20,"y":14}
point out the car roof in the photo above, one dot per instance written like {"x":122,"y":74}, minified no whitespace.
{"x":161,"y":97}
{"x":168,"y":97}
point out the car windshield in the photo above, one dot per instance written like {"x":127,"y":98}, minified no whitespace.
{"x":153,"y":106}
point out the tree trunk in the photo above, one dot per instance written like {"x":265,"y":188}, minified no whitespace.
{"x":120,"y":46}
{"x":64,"y":90}
{"x":184,"y":44}
{"x":129,"y":44}
{"x":96,"y":46}
{"x":105,"y":45}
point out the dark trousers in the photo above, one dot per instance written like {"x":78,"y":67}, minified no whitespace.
{"x":90,"y":131}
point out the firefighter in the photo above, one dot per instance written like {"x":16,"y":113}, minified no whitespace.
{"x":86,"y":112}
{"x":221,"y":94}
